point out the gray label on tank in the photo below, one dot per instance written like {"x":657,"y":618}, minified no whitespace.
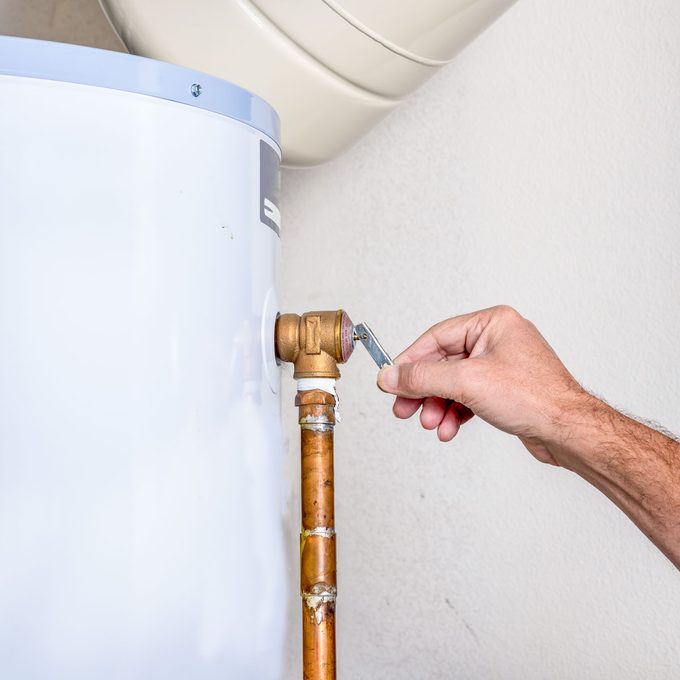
{"x":270,"y":184}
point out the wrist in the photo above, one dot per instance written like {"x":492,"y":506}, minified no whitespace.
{"x":577,"y":417}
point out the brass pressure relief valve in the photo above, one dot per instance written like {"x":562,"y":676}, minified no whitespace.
{"x":315,"y":343}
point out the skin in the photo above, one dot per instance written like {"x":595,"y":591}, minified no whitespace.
{"x":496,"y":365}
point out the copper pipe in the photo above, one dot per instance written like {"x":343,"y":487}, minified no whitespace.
{"x":316,"y":343}
{"x":318,"y":584}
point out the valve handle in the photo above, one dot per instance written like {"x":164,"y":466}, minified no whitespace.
{"x":367,"y":338}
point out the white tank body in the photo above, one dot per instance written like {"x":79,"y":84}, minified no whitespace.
{"x":140,"y":437}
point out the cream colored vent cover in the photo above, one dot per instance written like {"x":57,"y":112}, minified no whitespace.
{"x":331,"y":68}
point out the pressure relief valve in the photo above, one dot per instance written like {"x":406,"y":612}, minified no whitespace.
{"x":316,"y":342}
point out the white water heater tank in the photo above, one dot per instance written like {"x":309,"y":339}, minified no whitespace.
{"x":140,"y":437}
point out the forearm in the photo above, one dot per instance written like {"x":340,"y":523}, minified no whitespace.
{"x":495,"y":364}
{"x":635,"y":466}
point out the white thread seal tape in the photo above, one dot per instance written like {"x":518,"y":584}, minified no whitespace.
{"x":323,"y":384}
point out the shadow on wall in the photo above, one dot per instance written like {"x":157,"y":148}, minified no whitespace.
{"x":81,"y":22}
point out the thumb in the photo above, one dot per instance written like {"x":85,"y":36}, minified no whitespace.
{"x":425,"y":379}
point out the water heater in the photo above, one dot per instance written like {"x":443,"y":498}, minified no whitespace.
{"x":140,"y":437}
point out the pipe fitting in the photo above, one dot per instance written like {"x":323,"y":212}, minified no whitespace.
{"x":315,"y":343}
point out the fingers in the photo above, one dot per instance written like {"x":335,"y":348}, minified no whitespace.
{"x":450,"y":424}
{"x":451,"y":338}
{"x":405,"y":408}
{"x":446,"y":416}
{"x":434,"y":410}
{"x":464,"y":413}
{"x":427,"y":379}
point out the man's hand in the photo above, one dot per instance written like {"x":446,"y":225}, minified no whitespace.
{"x":492,"y":363}
{"x":496,"y":365}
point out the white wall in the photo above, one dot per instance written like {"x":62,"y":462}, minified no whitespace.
{"x":542,"y":170}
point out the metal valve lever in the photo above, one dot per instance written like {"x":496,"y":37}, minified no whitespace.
{"x":367,"y":338}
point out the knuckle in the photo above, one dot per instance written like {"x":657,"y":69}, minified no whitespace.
{"x":531,"y":327}
{"x":507,"y":311}
{"x":509,"y":314}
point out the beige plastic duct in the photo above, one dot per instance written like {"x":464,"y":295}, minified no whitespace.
{"x":331,"y":68}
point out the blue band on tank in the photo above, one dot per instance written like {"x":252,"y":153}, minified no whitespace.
{"x":120,"y":71}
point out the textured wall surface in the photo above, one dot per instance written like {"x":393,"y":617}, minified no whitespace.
{"x":542,"y":170}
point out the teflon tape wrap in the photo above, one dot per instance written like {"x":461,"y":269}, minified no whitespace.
{"x":323,"y":384}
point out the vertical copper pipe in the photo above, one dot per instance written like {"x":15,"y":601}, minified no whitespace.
{"x":318,"y":586}
{"x":316,"y":343}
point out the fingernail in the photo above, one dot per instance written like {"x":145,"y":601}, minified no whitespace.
{"x":389,"y":377}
